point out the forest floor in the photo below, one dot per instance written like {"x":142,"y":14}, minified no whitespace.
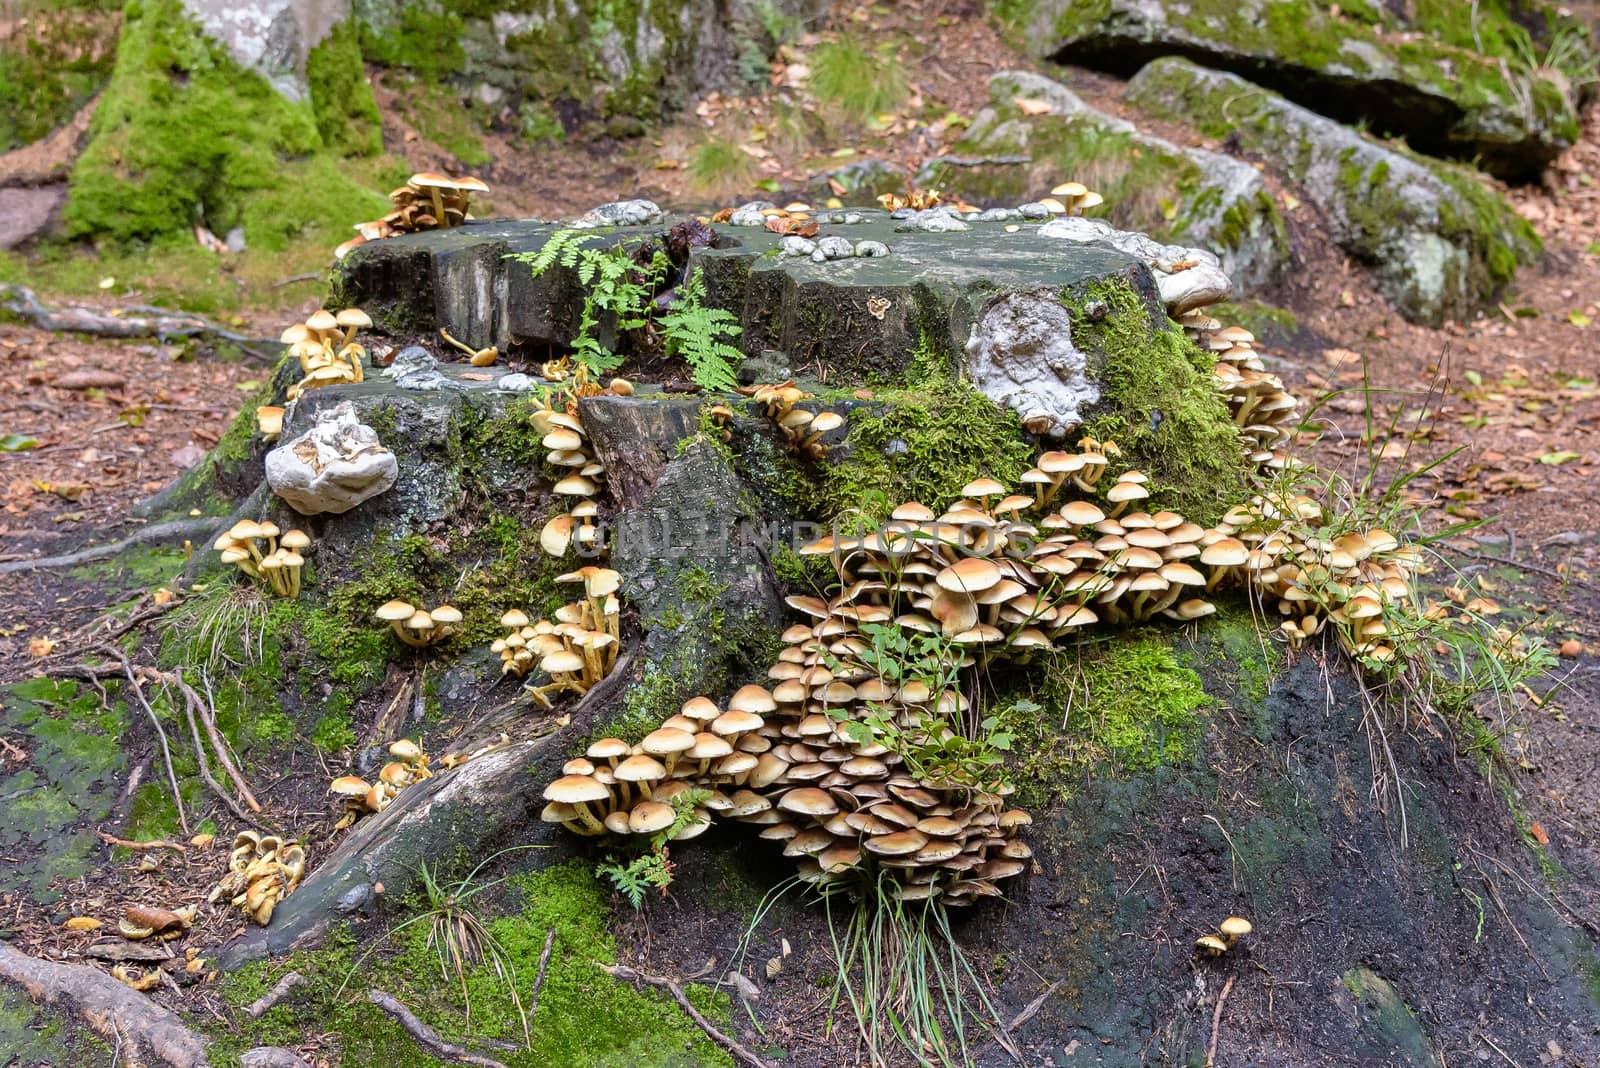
{"x":1497,"y":420}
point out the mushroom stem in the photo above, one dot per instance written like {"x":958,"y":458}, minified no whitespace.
{"x":586,"y":817}
{"x":438,"y":208}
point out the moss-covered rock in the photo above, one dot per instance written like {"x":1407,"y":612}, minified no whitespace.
{"x":184,"y":135}
{"x":54,"y":56}
{"x":1449,"y":84}
{"x":1177,"y":195}
{"x":1440,"y":242}
{"x":586,"y":60}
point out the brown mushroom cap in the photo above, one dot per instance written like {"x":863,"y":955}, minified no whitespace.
{"x":349,"y":786}
{"x":648,"y":817}
{"x":575,"y":790}
{"x":969,"y":575}
{"x":641,"y":768}
{"x":665,"y":740}
{"x":395,"y":611}
{"x":809,"y":801}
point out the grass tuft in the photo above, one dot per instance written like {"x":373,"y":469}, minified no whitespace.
{"x":718,"y":168}
{"x":857,"y":82}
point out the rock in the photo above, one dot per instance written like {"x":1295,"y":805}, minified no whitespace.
{"x":619,"y":213}
{"x":934,"y":221}
{"x":624,"y":67}
{"x":1174,"y":193}
{"x":833,"y":248}
{"x":415,"y":368}
{"x":1439,"y":242}
{"x":749,"y":213}
{"x":1186,"y":278}
{"x":795,"y":245}
{"x":1021,"y":355}
{"x":862,"y":180}
{"x":1392,"y":72}
{"x":274,"y":38}
{"x":28,"y":213}
{"x":871,"y":248}
{"x":332,"y":467}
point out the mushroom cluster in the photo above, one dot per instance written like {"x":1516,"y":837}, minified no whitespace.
{"x":783,"y":760}
{"x":922,"y":200}
{"x":1229,"y":931}
{"x":326,"y":347}
{"x":262,"y":870}
{"x":793,"y":218}
{"x":578,"y":648}
{"x":418,"y":626}
{"x":803,"y":431}
{"x":1076,"y":198}
{"x":1356,"y":579}
{"x":568,"y":448}
{"x":427,"y":201}
{"x":410,"y":765}
{"x":278,"y":567}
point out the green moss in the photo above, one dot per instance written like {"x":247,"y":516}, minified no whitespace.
{"x":346,"y":113}
{"x":1158,"y":402}
{"x":1125,"y":704}
{"x":140,"y":567}
{"x":1237,"y":659}
{"x":585,"y":1017}
{"x":184,"y":135}
{"x":923,"y":444}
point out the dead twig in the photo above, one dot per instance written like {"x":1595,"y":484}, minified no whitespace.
{"x":137,"y":321}
{"x":739,"y":1052}
{"x":261,"y":1005}
{"x":1033,"y":1007}
{"x":197,"y":711}
{"x":155,"y":721}
{"x":427,"y":1037}
{"x":544,"y":966}
{"x":1216,"y":1023}
{"x":159,"y":843}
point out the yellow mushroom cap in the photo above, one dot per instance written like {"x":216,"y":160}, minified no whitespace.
{"x":323,"y":320}
{"x":395,"y":611}
{"x":349,"y":786}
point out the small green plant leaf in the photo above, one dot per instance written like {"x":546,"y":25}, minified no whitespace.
{"x":1559,"y":457}
{"x":17,"y":443}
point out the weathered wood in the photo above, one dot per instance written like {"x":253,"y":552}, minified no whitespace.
{"x":116,"y":1013}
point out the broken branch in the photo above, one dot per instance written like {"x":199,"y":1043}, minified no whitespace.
{"x":740,"y":1053}
{"x":261,"y":1005}
{"x":427,"y":1037}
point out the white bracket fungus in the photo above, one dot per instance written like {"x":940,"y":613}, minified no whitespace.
{"x":1021,"y":355}
{"x":332,"y":467}
{"x":1187,"y":278}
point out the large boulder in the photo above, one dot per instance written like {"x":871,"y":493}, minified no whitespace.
{"x":1440,"y":242}
{"x":1447,"y":84}
{"x":1174,"y":193}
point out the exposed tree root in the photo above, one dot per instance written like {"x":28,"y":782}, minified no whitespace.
{"x":741,"y":1053}
{"x":427,"y":1037}
{"x":261,"y":1005}
{"x":168,"y":531}
{"x":139,"y":1027}
{"x":544,"y":966}
{"x":139,"y":320}
{"x":197,"y":710}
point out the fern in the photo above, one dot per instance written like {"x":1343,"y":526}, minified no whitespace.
{"x":562,"y":247}
{"x":699,"y":335}
{"x":614,"y":282}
